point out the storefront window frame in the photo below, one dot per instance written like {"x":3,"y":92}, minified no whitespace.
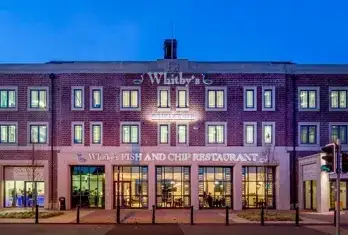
{"x":244,"y":195}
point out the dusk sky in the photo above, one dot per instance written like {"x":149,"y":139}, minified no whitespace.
{"x":302,"y":31}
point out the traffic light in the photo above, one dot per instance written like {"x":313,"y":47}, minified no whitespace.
{"x":329,"y":151}
{"x":344,"y":162}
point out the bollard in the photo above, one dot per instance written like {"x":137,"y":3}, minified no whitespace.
{"x":192,"y":223}
{"x":262,"y":216}
{"x":36,"y":214}
{"x":153,"y":214}
{"x":78,"y":214}
{"x":297,"y":216}
{"x":227,"y":216}
{"x":335,"y":218}
{"x":118,"y":210}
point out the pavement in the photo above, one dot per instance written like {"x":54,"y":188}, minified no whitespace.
{"x":173,"y":229}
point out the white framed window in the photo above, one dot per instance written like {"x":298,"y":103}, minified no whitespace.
{"x":96,"y":136}
{"x":182,"y":134}
{"x":77,"y":133}
{"x":164,"y":133}
{"x":163,"y":98}
{"x":338,"y":98}
{"x":38,"y":99}
{"x":250,"y":98}
{"x":8,"y":98}
{"x":96,"y":98}
{"x":268,"y":98}
{"x":216,"y":99}
{"x":38,"y":133}
{"x":182,"y":98}
{"x":8,"y":133}
{"x":308,"y":134}
{"x":130,"y":133}
{"x":309,"y":98}
{"x":268,"y":133}
{"x":250,"y":134}
{"x":130,"y":98}
{"x":216,"y":133}
{"x":338,"y":130}
{"x":77,"y":98}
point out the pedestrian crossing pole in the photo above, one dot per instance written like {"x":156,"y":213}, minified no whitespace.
{"x":337,"y":159}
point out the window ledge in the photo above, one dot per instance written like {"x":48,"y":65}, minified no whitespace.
{"x":309,"y":110}
{"x":338,"y":109}
{"x":77,"y":109}
{"x":8,"y":144}
{"x":96,"y":109}
{"x":130,"y":109}
{"x":38,"y":109}
{"x":309,"y":145}
{"x":268,"y":109}
{"x":250,"y":109}
{"x":183,"y":109}
{"x":216,"y":109}
{"x":159,"y":109}
{"x":8,"y":109}
{"x":250,"y":145}
{"x":216,"y":145}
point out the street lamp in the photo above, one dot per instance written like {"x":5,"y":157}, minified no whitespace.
{"x":118,"y":196}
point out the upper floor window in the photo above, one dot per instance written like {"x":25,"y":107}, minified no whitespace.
{"x":78,"y":133}
{"x":130,"y":134}
{"x":339,"y":132}
{"x":96,"y":133}
{"x":38,"y":98}
{"x":338,"y":98}
{"x":308,"y":134}
{"x":130,"y":98}
{"x":163,"y":97}
{"x":182,"y":97}
{"x":250,"y":133}
{"x":8,"y":98}
{"x":96,"y":98}
{"x":309,"y":98}
{"x":38,"y":133}
{"x":250,"y":99}
{"x":8,"y":133}
{"x":182,"y":134}
{"x":164,"y":133}
{"x":77,"y":102}
{"x":268,"y":133}
{"x":268,"y":98}
{"x":216,"y":134}
{"x":216,"y":98}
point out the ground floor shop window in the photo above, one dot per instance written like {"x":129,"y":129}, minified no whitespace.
{"x":215,"y":187}
{"x":133,"y":186}
{"x":343,"y":195}
{"x":24,"y":193}
{"x":172,"y":186}
{"x":258,"y":186}
{"x":88,"y":184}
{"x":310,"y":194}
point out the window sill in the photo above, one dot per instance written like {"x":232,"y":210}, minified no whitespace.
{"x":250,"y":145}
{"x":77,"y":109}
{"x":268,"y":109}
{"x":309,"y":110}
{"x":8,"y":109}
{"x":216,"y":145}
{"x":183,"y":109}
{"x":215,"y":109}
{"x":159,"y":109}
{"x":130,"y":109}
{"x":250,"y":109}
{"x":38,"y":109}
{"x":338,"y":110}
{"x":96,"y":109}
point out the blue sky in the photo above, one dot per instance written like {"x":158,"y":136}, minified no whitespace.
{"x":302,"y":31}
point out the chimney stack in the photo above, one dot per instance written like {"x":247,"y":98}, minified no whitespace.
{"x":170,"y":49}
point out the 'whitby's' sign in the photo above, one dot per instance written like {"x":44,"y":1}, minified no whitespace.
{"x":175,"y":157}
{"x":170,"y":116}
{"x":173,"y":79}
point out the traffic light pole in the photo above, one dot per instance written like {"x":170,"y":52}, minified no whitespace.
{"x":338,"y":185}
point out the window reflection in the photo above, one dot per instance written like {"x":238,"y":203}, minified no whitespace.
{"x":215,"y":187}
{"x":258,"y":186}
{"x":24,"y":193}
{"x":88,"y":186}
{"x":173,"y":186}
{"x":133,"y":186}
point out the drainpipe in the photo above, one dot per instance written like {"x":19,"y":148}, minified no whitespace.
{"x":52,"y":76}
{"x":294,"y":137}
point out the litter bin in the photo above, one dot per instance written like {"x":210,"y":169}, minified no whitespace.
{"x":62,"y":204}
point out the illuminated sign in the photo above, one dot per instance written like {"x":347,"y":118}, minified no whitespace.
{"x":175,"y":157}
{"x":170,"y":116}
{"x":173,"y":79}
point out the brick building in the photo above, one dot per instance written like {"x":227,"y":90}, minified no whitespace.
{"x":170,"y":133}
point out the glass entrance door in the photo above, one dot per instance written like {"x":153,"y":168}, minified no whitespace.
{"x":34,"y":193}
{"x":310,"y":194}
{"x":125,"y":194}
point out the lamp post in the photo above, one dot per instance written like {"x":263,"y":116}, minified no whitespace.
{"x":338,"y":186}
{"x":118,"y":196}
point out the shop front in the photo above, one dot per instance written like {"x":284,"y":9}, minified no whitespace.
{"x":235,"y":177}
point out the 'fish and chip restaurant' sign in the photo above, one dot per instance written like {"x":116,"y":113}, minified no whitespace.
{"x":170,"y":116}
{"x":174,"y":157}
{"x":173,"y":79}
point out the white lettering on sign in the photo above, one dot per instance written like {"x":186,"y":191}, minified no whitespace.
{"x":174,"y":157}
{"x":173,"y":79}
{"x":170,"y":116}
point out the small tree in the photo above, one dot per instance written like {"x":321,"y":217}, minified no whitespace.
{"x":269,"y":159}
{"x":33,"y":173}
